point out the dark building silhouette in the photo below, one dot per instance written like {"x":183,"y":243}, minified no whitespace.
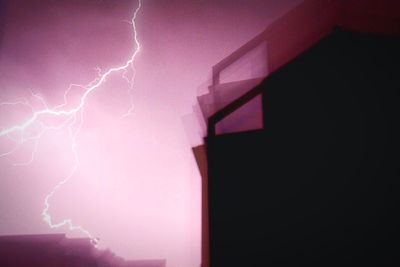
{"x":55,"y":250}
{"x":317,"y":183}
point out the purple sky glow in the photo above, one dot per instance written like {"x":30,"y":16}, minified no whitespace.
{"x":137,"y":187}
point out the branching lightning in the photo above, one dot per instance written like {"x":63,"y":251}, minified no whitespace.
{"x":72,"y":120}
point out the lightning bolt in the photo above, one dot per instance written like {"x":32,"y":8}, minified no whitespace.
{"x":73,"y":120}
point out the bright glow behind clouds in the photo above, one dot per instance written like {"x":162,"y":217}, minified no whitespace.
{"x":137,"y":187}
{"x":154,"y":208}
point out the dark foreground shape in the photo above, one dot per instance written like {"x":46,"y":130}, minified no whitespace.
{"x":319,"y":185}
{"x":55,"y":250}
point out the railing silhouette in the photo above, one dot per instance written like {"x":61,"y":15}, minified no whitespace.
{"x":290,"y":35}
{"x":230,"y":108}
{"x":243,"y":50}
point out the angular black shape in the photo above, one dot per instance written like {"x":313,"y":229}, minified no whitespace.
{"x":320,"y":184}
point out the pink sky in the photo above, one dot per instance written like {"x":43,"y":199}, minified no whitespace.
{"x":137,"y":187}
